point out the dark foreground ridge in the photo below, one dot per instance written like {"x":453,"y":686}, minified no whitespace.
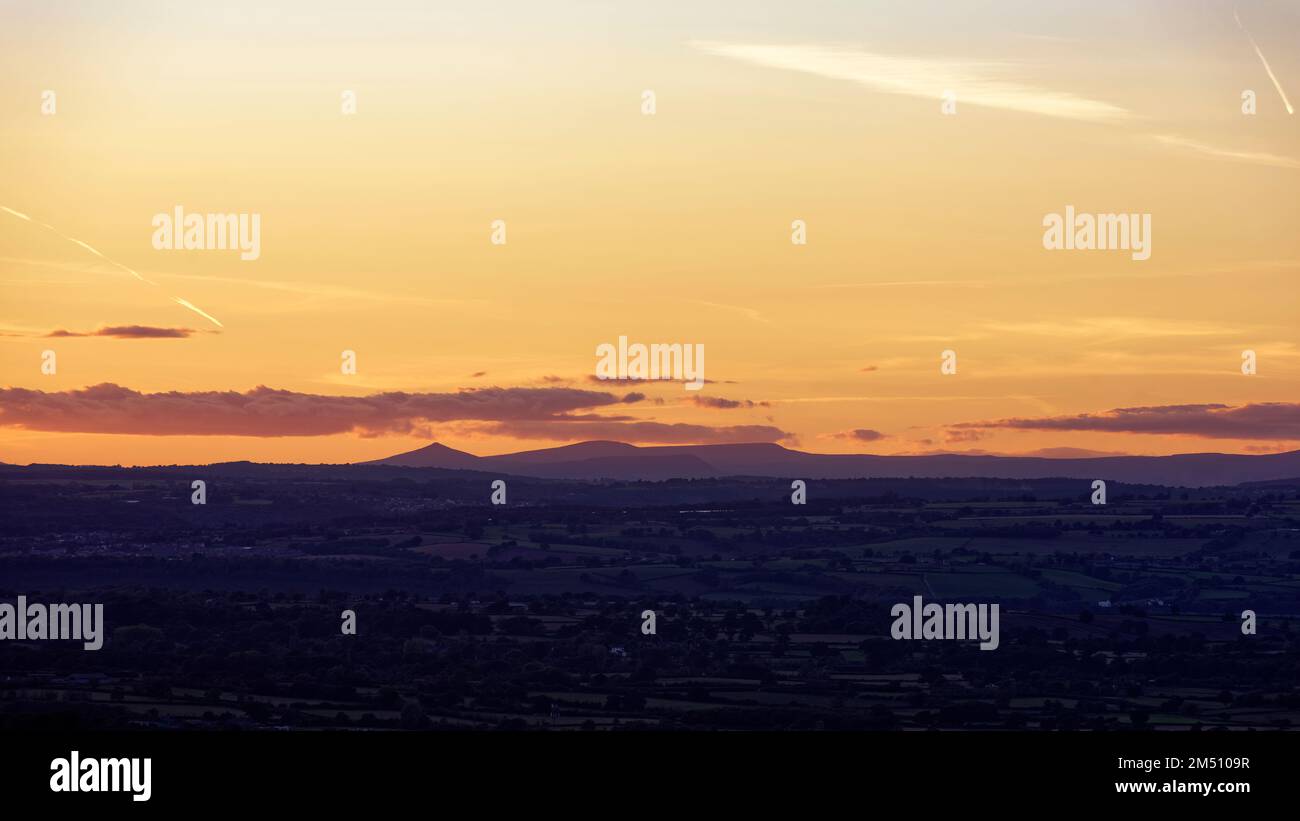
{"x":529,"y":615}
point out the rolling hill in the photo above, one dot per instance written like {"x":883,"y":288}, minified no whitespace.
{"x":618,"y":460}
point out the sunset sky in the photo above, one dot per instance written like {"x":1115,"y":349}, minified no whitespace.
{"x":924,"y":230}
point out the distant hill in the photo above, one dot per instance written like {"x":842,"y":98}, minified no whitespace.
{"x":434,"y":455}
{"x":618,"y":460}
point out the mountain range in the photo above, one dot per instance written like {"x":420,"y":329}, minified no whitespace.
{"x":621,"y":461}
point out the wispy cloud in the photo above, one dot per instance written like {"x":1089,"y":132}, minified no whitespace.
{"x":325,"y":291}
{"x":1255,"y":157}
{"x":740,"y":309}
{"x":1111,"y":327}
{"x":718,"y":403}
{"x":911,"y":283}
{"x":974,"y":83}
{"x":860,"y":435}
{"x":1066,"y":452}
{"x":130,"y":332}
{"x":664,"y":433}
{"x":591,"y":377}
{"x":1260,"y":420}
{"x":979,"y":83}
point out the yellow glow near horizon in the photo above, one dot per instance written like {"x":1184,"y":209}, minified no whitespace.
{"x":924,"y":230}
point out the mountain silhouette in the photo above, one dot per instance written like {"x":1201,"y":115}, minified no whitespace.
{"x":434,"y":455}
{"x":619,"y":460}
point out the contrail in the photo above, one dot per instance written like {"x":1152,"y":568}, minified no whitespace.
{"x":1271,"y":76}
{"x":87,"y":246}
{"x":196,"y":309}
{"x":131,"y":271}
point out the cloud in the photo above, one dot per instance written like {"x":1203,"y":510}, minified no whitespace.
{"x":537,"y":413}
{"x":870,"y":368}
{"x":591,"y":377}
{"x":477,"y":374}
{"x":862,"y":435}
{"x":974,"y":83}
{"x":718,"y":403}
{"x":1072,"y":453}
{"x":1114,"y":327}
{"x":1272,"y":448}
{"x":1261,"y":420}
{"x":965,"y":435}
{"x":911,"y":283}
{"x":316,"y":291}
{"x":263,"y":411}
{"x":1256,"y":157}
{"x":750,"y":313}
{"x":663,"y":433}
{"x":978,"y":83}
{"x":129,"y":332}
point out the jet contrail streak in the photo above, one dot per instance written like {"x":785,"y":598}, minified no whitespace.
{"x":196,"y":309}
{"x":85,"y":245}
{"x":1271,"y":76}
{"x":94,"y":251}
{"x":182,"y":302}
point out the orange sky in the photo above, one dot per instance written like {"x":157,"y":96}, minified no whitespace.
{"x":924,"y":229}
